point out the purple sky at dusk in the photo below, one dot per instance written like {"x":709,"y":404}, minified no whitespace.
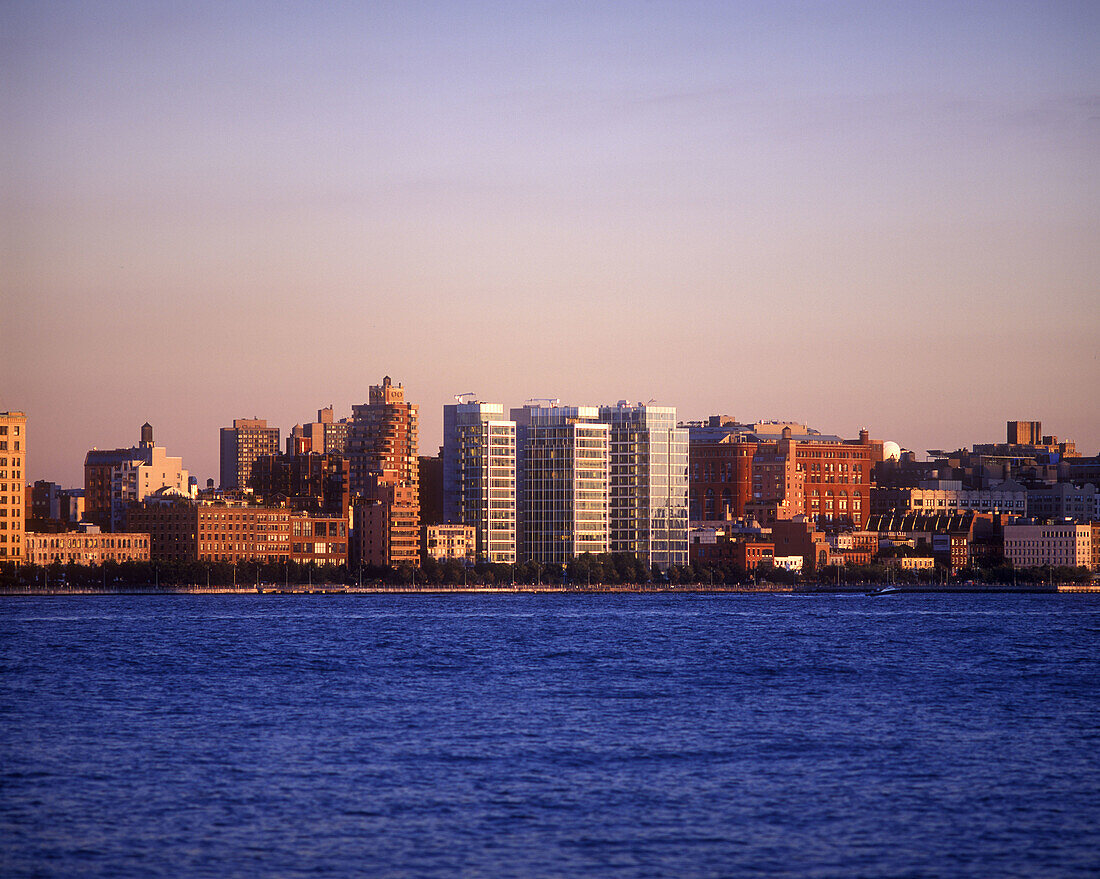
{"x":873,"y":215}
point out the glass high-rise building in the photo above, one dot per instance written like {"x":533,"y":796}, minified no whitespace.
{"x":648,"y":485}
{"x":479,"y":476}
{"x":562,"y":458}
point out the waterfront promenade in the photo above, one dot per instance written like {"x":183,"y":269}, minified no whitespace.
{"x":552,"y":588}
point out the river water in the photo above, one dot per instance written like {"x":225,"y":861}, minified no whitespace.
{"x":550,"y":735}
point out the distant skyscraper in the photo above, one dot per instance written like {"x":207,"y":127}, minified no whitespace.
{"x":648,"y":487}
{"x":13,"y":475}
{"x":384,"y":474}
{"x":562,"y":460}
{"x":241,"y":444}
{"x":479,"y":476}
{"x":1025,"y":433}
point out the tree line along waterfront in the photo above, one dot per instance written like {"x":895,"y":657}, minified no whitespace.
{"x":585,"y":571}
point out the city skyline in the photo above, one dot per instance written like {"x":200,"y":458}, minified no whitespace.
{"x":848,"y":215}
{"x":129,"y":436}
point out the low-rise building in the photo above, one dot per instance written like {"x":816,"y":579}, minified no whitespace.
{"x":911,"y":562}
{"x":854,"y":547}
{"x":1031,"y":545}
{"x":319,"y":540}
{"x":799,"y":537}
{"x":87,"y":547}
{"x":182,"y":530}
{"x":957,"y":539}
{"x":788,"y":563}
{"x":171,"y":522}
{"x":454,"y":542}
{"x":948,"y":496}
{"x":386,"y":525}
{"x":242,"y":534}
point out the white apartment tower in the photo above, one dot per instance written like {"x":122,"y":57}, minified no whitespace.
{"x":648,"y":486}
{"x":479,"y":476}
{"x":563,"y":463}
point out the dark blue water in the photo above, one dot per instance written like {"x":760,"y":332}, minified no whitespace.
{"x":526,"y":736}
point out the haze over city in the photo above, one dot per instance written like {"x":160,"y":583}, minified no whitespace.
{"x":851,"y":215}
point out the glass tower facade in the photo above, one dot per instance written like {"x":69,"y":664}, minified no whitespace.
{"x":479,"y":476}
{"x":648,"y":485}
{"x":563,"y":458}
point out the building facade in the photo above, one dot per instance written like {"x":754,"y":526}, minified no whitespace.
{"x":326,"y":436}
{"x":479,"y":476}
{"x":1062,"y":501}
{"x":779,"y":470}
{"x":13,"y":504}
{"x":171,"y":523}
{"x":647,"y":483}
{"x":1031,"y":545}
{"x":91,"y":547}
{"x":563,"y":468}
{"x":310,"y":481}
{"x":320,"y":539}
{"x":115,"y":479}
{"x":241,"y":445}
{"x":385,"y":523}
{"x":384,"y":475}
{"x":1006,"y":497}
{"x":452,"y":542}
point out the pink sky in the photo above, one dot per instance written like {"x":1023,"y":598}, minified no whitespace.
{"x":854,"y":215}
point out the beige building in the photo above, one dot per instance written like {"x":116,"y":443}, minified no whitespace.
{"x":458,"y":542}
{"x":13,"y":474}
{"x":1030,"y":546}
{"x":324,"y":435}
{"x":1007,"y":497}
{"x":116,"y":478}
{"x":911,"y":563}
{"x":137,"y":478}
{"x":86,"y":548}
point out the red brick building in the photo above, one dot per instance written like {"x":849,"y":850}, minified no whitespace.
{"x":184,"y":531}
{"x":736,"y":470}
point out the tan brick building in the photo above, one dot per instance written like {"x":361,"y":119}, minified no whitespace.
{"x":384,"y":476}
{"x":13,"y":475}
{"x":1032,"y":545}
{"x":457,"y":542}
{"x":86,"y":548}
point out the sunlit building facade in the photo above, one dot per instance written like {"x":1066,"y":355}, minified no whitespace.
{"x":479,"y":476}
{"x":384,"y":476}
{"x":240,"y":445}
{"x":563,"y":461}
{"x":13,"y":452}
{"x":647,"y":483}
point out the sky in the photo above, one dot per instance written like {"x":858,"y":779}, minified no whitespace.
{"x":880,"y":215}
